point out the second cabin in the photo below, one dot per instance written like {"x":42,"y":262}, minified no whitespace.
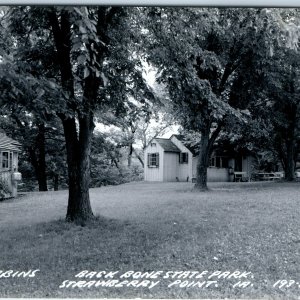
{"x":174,"y":160}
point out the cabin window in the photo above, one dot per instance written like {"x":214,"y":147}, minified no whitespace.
{"x":153,"y":160}
{"x":153,"y":144}
{"x":183,"y":158}
{"x":5,"y":160}
{"x":219,"y":162}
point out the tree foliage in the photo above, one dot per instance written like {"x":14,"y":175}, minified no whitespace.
{"x":90,"y":64}
{"x":202,"y":55}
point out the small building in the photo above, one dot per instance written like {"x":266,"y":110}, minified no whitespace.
{"x":175,"y":160}
{"x":9,"y":175}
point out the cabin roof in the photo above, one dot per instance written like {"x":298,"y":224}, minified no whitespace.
{"x":6,"y":143}
{"x":181,"y":138}
{"x":167,"y":145}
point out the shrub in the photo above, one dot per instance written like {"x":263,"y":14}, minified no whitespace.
{"x":111,"y":175}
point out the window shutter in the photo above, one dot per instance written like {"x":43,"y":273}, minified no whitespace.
{"x":157,"y":159}
{"x":186,"y":157}
{"x":148,"y":159}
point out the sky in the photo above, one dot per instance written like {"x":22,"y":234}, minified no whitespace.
{"x":149,"y":75}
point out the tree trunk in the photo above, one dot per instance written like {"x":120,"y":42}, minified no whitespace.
{"x":37,"y":155}
{"x":55,"y":182}
{"x":291,"y":136}
{"x":290,"y":139}
{"x":79,"y":207}
{"x":290,"y":163}
{"x":129,"y":159}
{"x":78,"y":146}
{"x":139,"y":158}
{"x":206,"y":147}
{"x":41,"y":171}
{"x":202,"y":163}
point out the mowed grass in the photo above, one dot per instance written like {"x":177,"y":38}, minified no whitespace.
{"x":143,"y":227}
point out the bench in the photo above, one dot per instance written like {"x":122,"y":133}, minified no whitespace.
{"x":240,"y":177}
{"x":261,"y":176}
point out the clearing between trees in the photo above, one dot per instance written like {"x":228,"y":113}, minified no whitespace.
{"x":155,"y":227}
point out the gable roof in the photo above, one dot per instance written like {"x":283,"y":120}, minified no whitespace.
{"x":9,"y":144}
{"x":167,"y":145}
{"x":181,"y":138}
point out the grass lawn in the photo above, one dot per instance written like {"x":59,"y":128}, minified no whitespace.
{"x":245,"y":227}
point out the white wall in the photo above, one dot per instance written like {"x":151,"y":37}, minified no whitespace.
{"x":213,"y":174}
{"x":185,"y":170}
{"x":153,"y":173}
{"x":217,"y":174}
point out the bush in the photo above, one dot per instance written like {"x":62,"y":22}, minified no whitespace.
{"x":111,"y":175}
{"x":135,"y":173}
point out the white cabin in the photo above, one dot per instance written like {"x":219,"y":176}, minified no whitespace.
{"x":9,"y":175}
{"x":174,"y":160}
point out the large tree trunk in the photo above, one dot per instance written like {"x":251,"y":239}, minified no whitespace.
{"x":290,"y":163}
{"x":77,"y":145}
{"x":290,"y":139}
{"x":79,"y":207}
{"x":202,"y":163}
{"x":206,"y":147}
{"x":78,"y":152}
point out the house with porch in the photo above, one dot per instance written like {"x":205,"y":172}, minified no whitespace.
{"x":9,"y":175}
{"x":174,"y":159}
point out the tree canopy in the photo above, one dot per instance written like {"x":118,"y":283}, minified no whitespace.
{"x":204,"y":56}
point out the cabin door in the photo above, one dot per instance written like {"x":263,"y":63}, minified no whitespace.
{"x":238,"y":164}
